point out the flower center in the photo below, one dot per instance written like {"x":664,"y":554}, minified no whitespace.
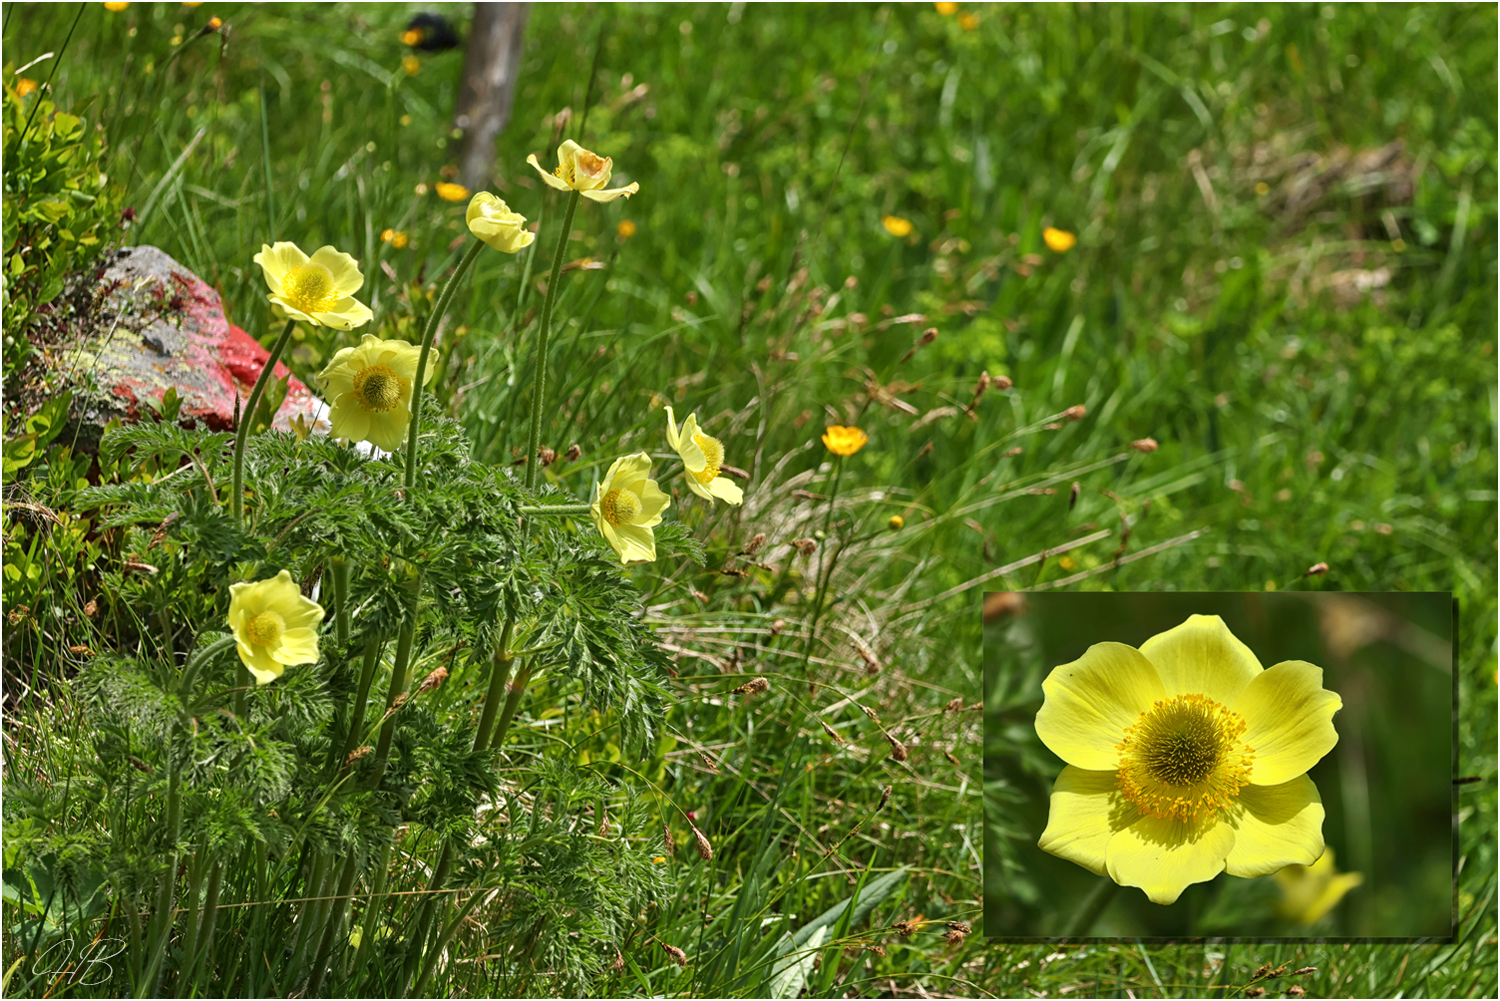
{"x":265,"y":628}
{"x":378,"y":388}
{"x":713,"y":451}
{"x":309,"y":288}
{"x":1183,"y":759}
{"x":620,"y":507}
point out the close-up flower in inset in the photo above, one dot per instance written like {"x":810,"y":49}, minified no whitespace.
{"x":491,"y":220}
{"x":844,"y":441}
{"x":627,"y":504}
{"x":1185,"y":759}
{"x":319,"y":289}
{"x":1059,"y":241}
{"x":368,"y":388}
{"x":273,"y":625}
{"x":1310,"y":891}
{"x":702,"y":456}
{"x":583,"y":171}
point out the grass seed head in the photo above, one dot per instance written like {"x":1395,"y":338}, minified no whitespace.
{"x":1145,"y":445}
{"x":433,"y":680}
{"x":898,"y":749}
{"x":705,"y":850}
{"x":676,"y":954}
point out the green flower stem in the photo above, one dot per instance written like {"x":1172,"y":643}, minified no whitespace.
{"x":822,"y":578}
{"x":198,"y":659}
{"x":539,"y":385}
{"x":425,"y":915}
{"x":399,"y":667}
{"x":338,"y":572}
{"x":1092,"y":907}
{"x":444,"y":298}
{"x":436,"y":952}
{"x":499,"y":675}
{"x":241,"y":687}
{"x":516,"y":689}
{"x":197,"y":870}
{"x":374,"y":907}
{"x":206,"y":926}
{"x":362,"y":697}
{"x":558,"y":509}
{"x":150,"y":984}
{"x":317,"y":879}
{"x":340,"y":904}
{"x":247,"y":415}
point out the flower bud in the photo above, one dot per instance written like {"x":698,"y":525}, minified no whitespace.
{"x":492,"y":221}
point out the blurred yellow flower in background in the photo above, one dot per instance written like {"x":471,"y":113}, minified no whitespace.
{"x":627,"y":504}
{"x":450,"y":192}
{"x":583,"y":171}
{"x":1310,"y":891}
{"x":394,"y":237}
{"x":625,"y":229}
{"x":116,"y":5}
{"x":896,"y":226}
{"x":24,"y":86}
{"x":946,"y":8}
{"x":411,"y":64}
{"x":368,"y":388}
{"x":411,"y":36}
{"x":1059,"y":241}
{"x":273,"y":625}
{"x":703,"y":457}
{"x":319,"y":289}
{"x":492,"y":221}
{"x":844,"y":441}
{"x":1185,"y":759}
{"x":968,"y":21}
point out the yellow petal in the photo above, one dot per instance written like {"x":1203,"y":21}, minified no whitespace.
{"x":627,"y":473}
{"x":597,"y":195}
{"x":722,"y":488}
{"x":297,"y":646}
{"x":347,"y":419}
{"x":346,"y":315}
{"x":553,"y":181}
{"x":1202,"y":657}
{"x":1288,"y":718}
{"x":1276,"y":826}
{"x":292,"y":313}
{"x":1091,"y":701}
{"x":672,"y":436}
{"x":1086,"y":811}
{"x":637,"y":544}
{"x":388,"y":430}
{"x":276,"y":260}
{"x":653,"y":503}
{"x":1165,"y":857}
{"x":698,"y":488}
{"x":344,"y":269}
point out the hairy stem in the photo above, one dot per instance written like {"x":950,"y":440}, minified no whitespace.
{"x":247,"y":416}
{"x":539,"y":385}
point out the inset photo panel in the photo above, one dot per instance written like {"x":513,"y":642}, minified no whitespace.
{"x":1251,"y":765}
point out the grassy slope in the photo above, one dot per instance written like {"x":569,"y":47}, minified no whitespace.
{"x":770,"y":139}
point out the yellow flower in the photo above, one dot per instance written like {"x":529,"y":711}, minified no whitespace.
{"x":412,"y":37}
{"x":1185,"y":759}
{"x":492,"y":221}
{"x":273,"y":625}
{"x":625,"y":229}
{"x":450,"y":192}
{"x":895,"y":523}
{"x":24,"y":86}
{"x":626,"y":506}
{"x":844,"y":441}
{"x":896,"y":226}
{"x":368,"y":388}
{"x":316,"y":290}
{"x":412,"y":65}
{"x":968,"y":21}
{"x":1310,"y":891}
{"x":1059,"y":241}
{"x":703,"y":456}
{"x":395,"y":237}
{"x":116,"y":5}
{"x":946,"y":9}
{"x":583,"y":171}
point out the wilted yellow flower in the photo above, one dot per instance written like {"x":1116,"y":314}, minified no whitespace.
{"x":450,"y":192}
{"x":24,"y":86}
{"x":583,"y":171}
{"x":368,"y":388}
{"x":1310,"y":891}
{"x":626,"y":506}
{"x":412,"y":65}
{"x":115,"y":5}
{"x":316,"y":290}
{"x":625,"y":229}
{"x":273,"y":625}
{"x":1185,"y":759}
{"x":896,"y":226}
{"x":395,"y":237}
{"x":1059,"y":241}
{"x":968,"y":21}
{"x":703,"y":457}
{"x":492,"y":221}
{"x":844,"y":441}
{"x":945,"y":8}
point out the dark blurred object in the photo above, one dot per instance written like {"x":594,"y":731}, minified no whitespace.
{"x":492,"y":63}
{"x":431,"y":33}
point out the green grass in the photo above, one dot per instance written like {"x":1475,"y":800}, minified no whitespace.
{"x":1301,"y":418}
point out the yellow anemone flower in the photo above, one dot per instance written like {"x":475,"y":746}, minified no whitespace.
{"x":703,"y":456}
{"x":583,"y":171}
{"x":491,"y":220}
{"x":1310,"y":891}
{"x":844,"y":441}
{"x":626,"y":506}
{"x":1185,"y":759}
{"x":369,"y":390}
{"x":319,"y":289}
{"x":273,"y":625}
{"x":1059,"y":241}
{"x":450,"y":192}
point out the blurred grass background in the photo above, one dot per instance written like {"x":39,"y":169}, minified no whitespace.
{"x":1386,"y":786}
{"x":1299,"y":312}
